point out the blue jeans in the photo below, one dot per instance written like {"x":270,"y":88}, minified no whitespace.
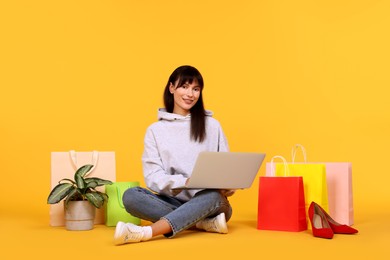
{"x":180,"y":215}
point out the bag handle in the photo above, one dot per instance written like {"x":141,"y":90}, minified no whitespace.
{"x":286,"y":170}
{"x":294,"y":151}
{"x":95,"y":158}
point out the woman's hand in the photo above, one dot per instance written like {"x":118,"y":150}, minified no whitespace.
{"x":177,"y":191}
{"x":227,"y":193}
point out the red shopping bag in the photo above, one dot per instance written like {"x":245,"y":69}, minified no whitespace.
{"x":281,"y":202}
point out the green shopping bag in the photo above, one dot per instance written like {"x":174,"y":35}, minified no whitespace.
{"x":115,"y":210}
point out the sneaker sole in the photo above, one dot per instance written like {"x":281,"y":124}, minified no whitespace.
{"x":118,"y":232}
{"x":222,"y":221}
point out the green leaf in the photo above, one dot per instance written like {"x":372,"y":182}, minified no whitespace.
{"x":71,"y":196}
{"x":69,"y":180}
{"x":79,"y":181}
{"x":84,"y":170}
{"x":91,"y":184}
{"x":100,"y":182}
{"x":95,"y":198}
{"x":105,"y":196}
{"x":59,"y":192}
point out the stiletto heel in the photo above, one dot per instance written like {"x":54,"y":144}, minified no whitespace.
{"x":337,"y":227}
{"x":319,"y":223}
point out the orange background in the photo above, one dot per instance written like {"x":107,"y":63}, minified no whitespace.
{"x":88,"y":75}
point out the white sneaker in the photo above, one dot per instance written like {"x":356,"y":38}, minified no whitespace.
{"x":216,"y":224}
{"x":127,"y":233}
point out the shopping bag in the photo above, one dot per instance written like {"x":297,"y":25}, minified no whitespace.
{"x":115,"y":210}
{"x":281,"y":201}
{"x":314,"y":181}
{"x":65,"y":164}
{"x":339,"y":182}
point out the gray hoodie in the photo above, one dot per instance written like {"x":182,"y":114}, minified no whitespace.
{"x":169,"y":153}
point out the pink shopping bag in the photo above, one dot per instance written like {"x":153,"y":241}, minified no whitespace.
{"x":340,"y":195}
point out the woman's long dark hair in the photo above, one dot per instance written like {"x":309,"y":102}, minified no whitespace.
{"x":187,"y":74}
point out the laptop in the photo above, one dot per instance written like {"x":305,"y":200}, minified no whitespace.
{"x":224,"y":170}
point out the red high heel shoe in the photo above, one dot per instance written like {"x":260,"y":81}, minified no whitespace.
{"x":319,"y":224}
{"x":336,"y":227}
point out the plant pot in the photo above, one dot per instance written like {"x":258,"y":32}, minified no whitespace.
{"x":79,"y":215}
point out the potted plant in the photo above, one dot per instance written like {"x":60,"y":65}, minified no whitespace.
{"x":81,"y":198}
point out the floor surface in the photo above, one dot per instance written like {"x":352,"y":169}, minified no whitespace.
{"x":28,"y":234}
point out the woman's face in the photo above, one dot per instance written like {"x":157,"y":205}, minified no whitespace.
{"x":185,"y":96}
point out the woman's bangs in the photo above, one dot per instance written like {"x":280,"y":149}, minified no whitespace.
{"x":187,"y":78}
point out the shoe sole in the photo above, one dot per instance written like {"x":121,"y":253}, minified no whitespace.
{"x":222,"y":220}
{"x":118,"y":232}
